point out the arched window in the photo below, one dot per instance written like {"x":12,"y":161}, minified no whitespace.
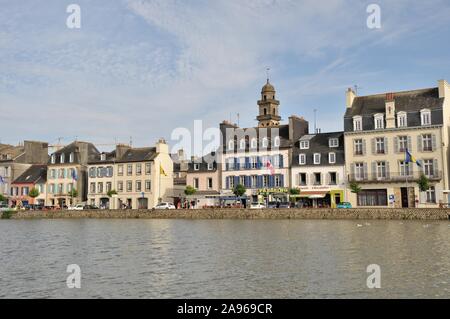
{"x":276,"y":141}
{"x":265,"y":142}
{"x":242,"y":145}
{"x":231,"y":145}
{"x":254,"y":143}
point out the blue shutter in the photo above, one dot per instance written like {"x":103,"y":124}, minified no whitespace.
{"x":259,"y":162}
{"x":227,"y":182}
{"x":281,"y":161}
{"x":282,"y":180}
{"x":227,"y":166}
{"x":259,"y":181}
{"x":247,"y":162}
{"x":247,"y":182}
{"x":271,"y":181}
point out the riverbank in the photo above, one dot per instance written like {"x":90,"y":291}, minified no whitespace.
{"x":349,"y":214}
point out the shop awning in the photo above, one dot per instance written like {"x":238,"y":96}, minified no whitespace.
{"x":311,"y":195}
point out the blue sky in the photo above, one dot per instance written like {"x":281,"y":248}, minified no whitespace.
{"x":142,"y":68}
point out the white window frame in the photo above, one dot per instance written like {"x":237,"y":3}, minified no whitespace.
{"x":358,"y":143}
{"x":425,"y":117}
{"x":316,"y":158}
{"x":53,"y":160}
{"x":265,"y":142}
{"x":276,"y":141}
{"x":357,"y":123}
{"x":331,"y":156}
{"x":231,"y":145}
{"x":196,"y":166}
{"x":62,"y":158}
{"x":402,"y":119}
{"x":254,"y":143}
{"x":210,"y":166}
{"x":242,"y":144}
{"x":379,"y":121}
{"x":302,"y":159}
{"x":333,"y":142}
{"x":304,"y":145}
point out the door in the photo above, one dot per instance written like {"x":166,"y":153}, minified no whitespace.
{"x":405,"y":201}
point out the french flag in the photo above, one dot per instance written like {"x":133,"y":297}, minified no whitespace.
{"x":270,"y":168}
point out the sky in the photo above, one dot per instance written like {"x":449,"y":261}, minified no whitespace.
{"x":139,"y":69}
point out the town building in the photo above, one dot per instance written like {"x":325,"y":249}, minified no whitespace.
{"x":259,"y":157}
{"x":180,"y":169}
{"x":35,"y":177}
{"x":318,"y":170}
{"x":204,"y":175}
{"x":67,"y":174}
{"x":15,"y":160}
{"x":134,"y":178}
{"x":380,"y":129}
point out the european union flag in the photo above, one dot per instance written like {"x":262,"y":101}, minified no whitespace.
{"x":411,"y":159}
{"x":74,"y":175}
{"x":2,"y":181}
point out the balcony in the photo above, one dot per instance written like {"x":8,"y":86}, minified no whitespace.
{"x":394,"y":177}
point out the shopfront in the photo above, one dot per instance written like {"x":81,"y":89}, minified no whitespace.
{"x":318,"y":198}
{"x":268,"y":195}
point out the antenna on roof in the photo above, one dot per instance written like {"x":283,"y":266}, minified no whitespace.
{"x":131,"y":141}
{"x":268,"y":73}
{"x":357,"y":88}
{"x":315,"y":121}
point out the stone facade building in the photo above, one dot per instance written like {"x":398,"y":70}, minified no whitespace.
{"x":34,"y":177}
{"x":379,"y":129}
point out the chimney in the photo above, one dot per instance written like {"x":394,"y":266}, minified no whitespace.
{"x":350,"y":97}
{"x":444,"y":89}
{"x":390,"y":110}
{"x":121,"y":149}
{"x":162,"y":147}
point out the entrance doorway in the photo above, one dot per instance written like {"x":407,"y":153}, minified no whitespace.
{"x":405,"y":200}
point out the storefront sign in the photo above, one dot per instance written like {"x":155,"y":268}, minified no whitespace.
{"x":273,"y":190}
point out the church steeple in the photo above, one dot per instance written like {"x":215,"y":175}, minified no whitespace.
{"x":268,"y":107}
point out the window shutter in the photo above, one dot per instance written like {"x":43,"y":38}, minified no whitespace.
{"x":373,"y":145}
{"x":282,"y":180}
{"x":313,"y":180}
{"x":236,"y":163}
{"x":374,"y":170}
{"x":259,"y":181}
{"x":388,"y":173}
{"x":306,"y":179}
{"x":328,"y":181}
{"x":259,"y":162}
{"x":396,"y":148}
{"x":354,"y":146}
{"x":433,"y":141}
{"x":337,"y":178}
{"x":271,"y":181}
{"x":352,"y":171}
{"x":247,"y":162}
{"x":297,"y":179}
{"x":409,"y":144}
{"x":236,"y":181}
{"x":419,"y":143}
{"x":435,"y":168}
{"x":227,"y":182}
{"x":281,"y":164}
{"x":364,"y":146}
{"x":386,"y":145}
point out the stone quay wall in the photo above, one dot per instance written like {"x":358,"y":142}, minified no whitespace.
{"x":331,"y":214}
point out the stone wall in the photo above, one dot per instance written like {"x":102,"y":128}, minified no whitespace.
{"x":363,"y":214}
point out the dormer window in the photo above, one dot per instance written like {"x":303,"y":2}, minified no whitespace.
{"x":196,"y":167}
{"x":62,"y":159}
{"x":379,"y":121}
{"x":425,"y":117}
{"x":102,"y":157}
{"x":402,"y":120}
{"x":53,"y":160}
{"x":242,"y":145}
{"x":276,"y":141}
{"x":254,"y":143}
{"x":304,"y":145}
{"x":210,"y":166}
{"x":333,"y":142}
{"x":357,"y":123}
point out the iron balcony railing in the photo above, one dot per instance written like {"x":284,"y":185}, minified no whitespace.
{"x":393,"y":177}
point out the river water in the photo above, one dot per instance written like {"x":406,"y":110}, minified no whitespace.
{"x":224,"y":258}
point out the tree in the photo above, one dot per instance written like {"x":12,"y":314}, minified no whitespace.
{"x":354,"y":187}
{"x":239,"y":190}
{"x":189,"y":190}
{"x":73,"y":193}
{"x":294,"y":191}
{"x":34,"y":192}
{"x":2,"y":198}
{"x":423,"y":182}
{"x":111,"y":193}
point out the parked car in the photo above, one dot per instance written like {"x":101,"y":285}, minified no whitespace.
{"x":165,"y":206}
{"x":4,"y":207}
{"x":344,"y":205}
{"x":257,"y":206}
{"x":88,"y":207}
{"x":284,"y":205}
{"x":77,"y":207}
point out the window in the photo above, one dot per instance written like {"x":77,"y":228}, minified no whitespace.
{"x":254,"y":143}
{"x":231,"y":145}
{"x":265,"y":181}
{"x":277,"y":180}
{"x":317,"y":179}
{"x":138,"y":169}
{"x":25,"y":191}
{"x":427,"y":143}
{"x":425,"y":117}
{"x":92,"y":188}
{"x":138,"y":186}
{"x":402,"y":120}
{"x":242,"y":180}
{"x":332,"y":158}
{"x":428,"y":167}
{"x":317,"y":159}
{"x":129,"y":186}
{"x":148,"y":168}
{"x":265,"y":142}
{"x":381,"y":170}
{"x":130,"y":169}
{"x":148,"y":185}
{"x":373,"y":197}
{"x":92,"y":172}
{"x":333,"y":178}
{"x":100,"y":188}
{"x":109,"y":171}
{"x":276,"y":141}
{"x":379,"y":121}
{"x":210,"y":183}
{"x":431,"y":195}
{"x":359,"y":171}
{"x":302,"y":159}
{"x":358,"y":147}
{"x":254,"y":181}
{"x":404,"y":168}
{"x":254,"y":162}
{"x":402,"y":143}
{"x":53,"y":173}
{"x":304,"y":145}
{"x":333,"y":142}
{"x":120,"y":170}
{"x":196,"y":166}
{"x":357,"y":123}
{"x":210,"y":166}
{"x":103,"y":157}
{"x":379,"y":145}
{"x":231,"y":181}
{"x":196,"y":183}
{"x":53,"y":159}
{"x":242,"y":144}
{"x":120,"y":186}
{"x":72,"y":157}
{"x":62,"y":158}
{"x":230,"y":163}
{"x":302,"y":179}
{"x":108,"y":186}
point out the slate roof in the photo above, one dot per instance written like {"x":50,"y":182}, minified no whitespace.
{"x":9,"y":152}
{"x":110,"y":158}
{"x":138,"y":155}
{"x":33,"y":175}
{"x":319,"y":143}
{"x":84,"y":152}
{"x":411,"y":102}
{"x":203,"y":164}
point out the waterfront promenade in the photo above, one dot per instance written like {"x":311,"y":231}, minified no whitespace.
{"x":331,"y":214}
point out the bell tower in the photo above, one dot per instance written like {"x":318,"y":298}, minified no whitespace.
{"x":268,"y":107}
